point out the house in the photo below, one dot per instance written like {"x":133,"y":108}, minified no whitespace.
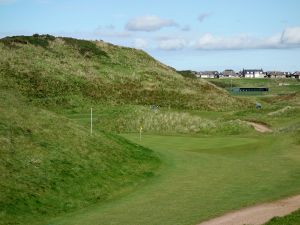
{"x":253,"y":73}
{"x":229,"y":74}
{"x":276,"y":74}
{"x":296,"y":75}
{"x":208,"y":74}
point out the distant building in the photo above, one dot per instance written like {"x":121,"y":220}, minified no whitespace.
{"x":296,"y":75}
{"x":229,"y":74}
{"x":279,"y":74}
{"x":245,"y":73}
{"x":208,"y":74}
{"x":253,"y":73}
{"x":276,"y":74}
{"x":287,"y":74}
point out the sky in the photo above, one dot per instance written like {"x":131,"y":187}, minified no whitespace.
{"x":188,"y":34}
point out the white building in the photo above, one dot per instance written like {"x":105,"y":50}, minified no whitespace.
{"x":208,"y":74}
{"x":253,"y":73}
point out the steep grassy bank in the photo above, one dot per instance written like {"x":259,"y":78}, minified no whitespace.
{"x":51,"y":165}
{"x":70,"y":73}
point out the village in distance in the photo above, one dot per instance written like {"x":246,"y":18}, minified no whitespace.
{"x":245,"y":73}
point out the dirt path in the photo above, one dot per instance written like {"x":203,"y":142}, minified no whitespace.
{"x":257,"y":215}
{"x":259,"y":127}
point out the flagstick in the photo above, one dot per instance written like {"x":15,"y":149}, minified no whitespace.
{"x":91,"y":121}
{"x":141,"y":128}
{"x":140,"y":134}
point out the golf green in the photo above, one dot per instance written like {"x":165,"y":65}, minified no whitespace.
{"x":200,"y":178}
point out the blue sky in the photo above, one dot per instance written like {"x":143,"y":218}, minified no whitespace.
{"x":190,"y":34}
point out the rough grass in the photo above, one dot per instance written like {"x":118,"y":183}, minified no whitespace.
{"x":187,"y":74}
{"x":36,"y":40}
{"x":71,"y":72}
{"x":292,"y":219}
{"x":130,"y":118}
{"x":284,"y":111}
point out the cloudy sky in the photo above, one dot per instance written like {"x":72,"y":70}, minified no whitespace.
{"x":188,"y":34}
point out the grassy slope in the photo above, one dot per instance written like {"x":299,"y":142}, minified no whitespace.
{"x":203,"y":177}
{"x":71,"y":73}
{"x":273,"y":103}
{"x":128,"y":119}
{"x":50,"y":165}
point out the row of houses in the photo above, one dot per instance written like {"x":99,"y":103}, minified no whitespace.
{"x":247,"y":73}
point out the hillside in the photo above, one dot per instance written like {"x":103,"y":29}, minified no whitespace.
{"x":50,"y":164}
{"x":69,"y":72}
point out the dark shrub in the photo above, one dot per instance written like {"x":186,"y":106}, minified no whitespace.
{"x":86,"y":48}
{"x":36,"y":39}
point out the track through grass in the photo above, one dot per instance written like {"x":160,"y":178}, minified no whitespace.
{"x":202,"y":177}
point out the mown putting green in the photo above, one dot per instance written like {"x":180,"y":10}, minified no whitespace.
{"x":202,"y":178}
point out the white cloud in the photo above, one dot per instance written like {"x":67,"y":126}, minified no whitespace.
{"x":140,"y":43}
{"x":211,"y":42}
{"x":148,"y":23}
{"x":203,"y":16}
{"x":291,"y":36}
{"x":172,"y":44}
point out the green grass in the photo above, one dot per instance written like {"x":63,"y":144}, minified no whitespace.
{"x":53,"y":171}
{"x":70,"y":73}
{"x":36,"y":40}
{"x":51,"y":165}
{"x":129,"y":118}
{"x":291,"y":219}
{"x":202,"y":177}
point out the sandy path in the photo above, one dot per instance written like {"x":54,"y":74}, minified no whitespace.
{"x":259,"y":214}
{"x":260,"y":127}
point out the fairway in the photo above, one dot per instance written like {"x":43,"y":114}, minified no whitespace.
{"x":200,"y":178}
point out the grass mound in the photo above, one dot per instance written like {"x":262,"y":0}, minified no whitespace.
{"x":129,"y":119}
{"x":282,"y":111}
{"x":68,"y":72}
{"x":50,"y":165}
